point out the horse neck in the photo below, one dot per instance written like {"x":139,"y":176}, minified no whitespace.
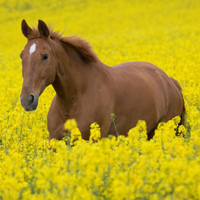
{"x":73,"y":75}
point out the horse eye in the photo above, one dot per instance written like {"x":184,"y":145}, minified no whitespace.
{"x":45,"y":56}
{"x":20,"y":55}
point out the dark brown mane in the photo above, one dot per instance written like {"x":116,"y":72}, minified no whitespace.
{"x":81,"y":46}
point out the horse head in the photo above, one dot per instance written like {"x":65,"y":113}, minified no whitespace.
{"x":38,"y":64}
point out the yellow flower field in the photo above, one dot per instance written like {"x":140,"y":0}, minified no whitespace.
{"x":165,"y":33}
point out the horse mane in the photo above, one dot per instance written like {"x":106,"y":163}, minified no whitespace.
{"x":81,"y":46}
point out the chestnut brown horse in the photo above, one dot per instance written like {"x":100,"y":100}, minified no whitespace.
{"x":89,"y":91}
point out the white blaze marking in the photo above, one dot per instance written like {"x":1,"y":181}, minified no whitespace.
{"x":32,"y":49}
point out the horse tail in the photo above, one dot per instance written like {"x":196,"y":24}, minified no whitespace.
{"x":182,"y":122}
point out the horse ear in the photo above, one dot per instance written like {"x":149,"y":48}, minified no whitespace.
{"x":26,"y":30}
{"x":43,"y":29}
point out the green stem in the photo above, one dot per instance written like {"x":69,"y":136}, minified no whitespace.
{"x":113,"y":120}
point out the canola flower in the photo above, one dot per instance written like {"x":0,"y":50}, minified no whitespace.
{"x":165,"y":33}
{"x":95,"y":133}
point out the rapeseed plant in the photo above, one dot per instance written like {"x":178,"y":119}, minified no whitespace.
{"x":95,"y":133}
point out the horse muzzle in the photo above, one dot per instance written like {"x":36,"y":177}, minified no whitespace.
{"x":29,"y":103}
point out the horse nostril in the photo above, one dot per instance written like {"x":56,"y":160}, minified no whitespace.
{"x":31,"y":100}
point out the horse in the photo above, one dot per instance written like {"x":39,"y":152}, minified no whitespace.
{"x":89,"y":91}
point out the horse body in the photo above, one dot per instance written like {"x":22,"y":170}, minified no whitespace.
{"x":148,"y":94}
{"x":89,"y":91}
{"x":132,"y":91}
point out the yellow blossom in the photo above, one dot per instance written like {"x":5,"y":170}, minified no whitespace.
{"x":95,"y":133}
{"x":70,"y":124}
{"x":123,"y":167}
